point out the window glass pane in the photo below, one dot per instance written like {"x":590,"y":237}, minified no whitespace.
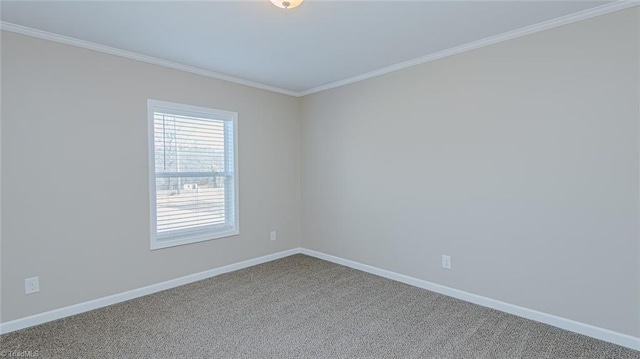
{"x":188,"y":144}
{"x":188,"y":202}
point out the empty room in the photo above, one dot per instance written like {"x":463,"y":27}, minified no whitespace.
{"x":320,"y":179}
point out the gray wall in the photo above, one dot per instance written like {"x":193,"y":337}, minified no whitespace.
{"x":75,"y":178}
{"x":520,"y":160}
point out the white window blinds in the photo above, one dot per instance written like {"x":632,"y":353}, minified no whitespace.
{"x":193,"y":158}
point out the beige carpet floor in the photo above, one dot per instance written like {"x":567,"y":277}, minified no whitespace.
{"x":302,"y":307}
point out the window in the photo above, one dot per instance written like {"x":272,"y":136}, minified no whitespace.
{"x":193,"y":177}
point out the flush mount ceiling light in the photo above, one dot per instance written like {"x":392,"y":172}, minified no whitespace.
{"x":286,"y":4}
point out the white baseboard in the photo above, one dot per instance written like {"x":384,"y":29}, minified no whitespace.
{"x":40,"y":318}
{"x":563,"y":323}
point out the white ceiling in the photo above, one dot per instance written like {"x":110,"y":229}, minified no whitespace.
{"x":297,"y":51}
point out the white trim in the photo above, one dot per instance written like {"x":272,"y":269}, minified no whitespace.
{"x":40,"y":318}
{"x":19,"y":29}
{"x":153,"y":218}
{"x":492,"y":40}
{"x":204,"y":233}
{"x":562,"y":323}
{"x":545,"y":25}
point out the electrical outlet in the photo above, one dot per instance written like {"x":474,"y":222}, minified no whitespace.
{"x":31,"y":285}
{"x":446,"y":262}
{"x":273,"y":235}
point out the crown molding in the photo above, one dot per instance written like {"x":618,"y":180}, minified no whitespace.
{"x":492,"y":40}
{"x":23,"y":30}
{"x":546,"y":25}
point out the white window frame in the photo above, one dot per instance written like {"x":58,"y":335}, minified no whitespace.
{"x":191,"y":236}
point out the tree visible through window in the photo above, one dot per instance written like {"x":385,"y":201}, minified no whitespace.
{"x":194,"y":187}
